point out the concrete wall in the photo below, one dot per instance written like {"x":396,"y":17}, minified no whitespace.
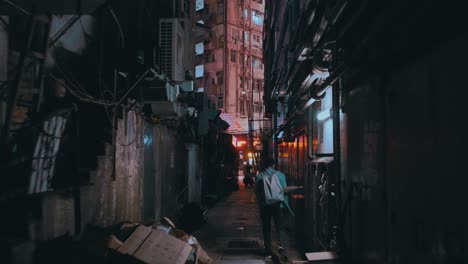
{"x":105,"y":201}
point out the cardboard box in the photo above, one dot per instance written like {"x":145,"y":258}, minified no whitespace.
{"x":113,"y":242}
{"x":154,"y":246}
{"x":201,"y":256}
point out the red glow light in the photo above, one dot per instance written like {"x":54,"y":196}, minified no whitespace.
{"x":240,"y":143}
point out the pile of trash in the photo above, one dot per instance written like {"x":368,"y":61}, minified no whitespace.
{"x":160,"y":243}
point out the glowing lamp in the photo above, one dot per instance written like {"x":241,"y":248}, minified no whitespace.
{"x":324,"y":115}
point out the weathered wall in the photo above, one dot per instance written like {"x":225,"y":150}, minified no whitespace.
{"x":111,"y":201}
{"x":104,"y":201}
{"x":194,"y":179}
{"x":167,"y":183}
{"x":408,"y":159}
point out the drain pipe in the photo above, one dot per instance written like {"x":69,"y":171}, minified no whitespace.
{"x":337,"y":150}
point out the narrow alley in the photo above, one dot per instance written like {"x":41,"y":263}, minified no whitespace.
{"x":233,"y":232}
{"x":233,"y":132}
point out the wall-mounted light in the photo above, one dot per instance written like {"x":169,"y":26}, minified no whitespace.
{"x":324,"y":115}
{"x":147,"y":140}
{"x":280,"y":135}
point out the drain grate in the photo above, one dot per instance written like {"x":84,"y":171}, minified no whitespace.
{"x":244,"y":244}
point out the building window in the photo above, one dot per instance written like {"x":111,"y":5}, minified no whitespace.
{"x":235,"y":34}
{"x":242,"y":106}
{"x":257,"y":17}
{"x":220,"y":79}
{"x":199,"y":5}
{"x":257,"y":107}
{"x":220,"y":12}
{"x":241,"y":58}
{"x":199,"y":48}
{"x":221,"y":41}
{"x":246,"y":14}
{"x":220,"y":102}
{"x":199,"y":71}
{"x":258,"y":85}
{"x":219,"y":76}
{"x":246,"y":36}
{"x":257,"y":63}
{"x":256,"y":38}
{"x":233,"y":55}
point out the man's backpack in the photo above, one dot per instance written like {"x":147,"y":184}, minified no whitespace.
{"x":272,"y":189}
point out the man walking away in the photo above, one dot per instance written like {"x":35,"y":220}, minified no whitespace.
{"x":269,"y":190}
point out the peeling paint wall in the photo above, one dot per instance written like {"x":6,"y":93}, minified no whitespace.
{"x":109,"y":201}
{"x":105,"y":201}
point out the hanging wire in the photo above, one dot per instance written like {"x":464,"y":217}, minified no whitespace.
{"x":82,"y":97}
{"x":17,"y":7}
{"x":118,"y":25}
{"x":138,"y":130}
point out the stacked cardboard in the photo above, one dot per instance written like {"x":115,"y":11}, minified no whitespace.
{"x":163,"y":245}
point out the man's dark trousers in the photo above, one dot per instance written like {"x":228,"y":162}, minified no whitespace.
{"x":266,"y":213}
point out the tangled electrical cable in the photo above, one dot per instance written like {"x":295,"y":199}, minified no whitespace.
{"x":80,"y":95}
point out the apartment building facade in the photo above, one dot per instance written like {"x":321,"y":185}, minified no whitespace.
{"x":232,"y":70}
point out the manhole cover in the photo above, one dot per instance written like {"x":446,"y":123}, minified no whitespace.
{"x":243,"y":244}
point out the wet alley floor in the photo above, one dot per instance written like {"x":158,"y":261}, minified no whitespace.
{"x":233,"y":232}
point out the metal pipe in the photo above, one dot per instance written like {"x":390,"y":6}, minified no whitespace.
{"x":76,"y":187}
{"x":63,"y":30}
{"x":4,"y":22}
{"x":114,"y":130}
{"x":132,"y":87}
{"x":337,"y":145}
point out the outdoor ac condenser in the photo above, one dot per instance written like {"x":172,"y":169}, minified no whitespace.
{"x":175,"y":45}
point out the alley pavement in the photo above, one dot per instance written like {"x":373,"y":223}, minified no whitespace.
{"x":233,"y":232}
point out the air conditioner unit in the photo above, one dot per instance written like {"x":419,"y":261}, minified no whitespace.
{"x":175,"y":44}
{"x":162,"y":96}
